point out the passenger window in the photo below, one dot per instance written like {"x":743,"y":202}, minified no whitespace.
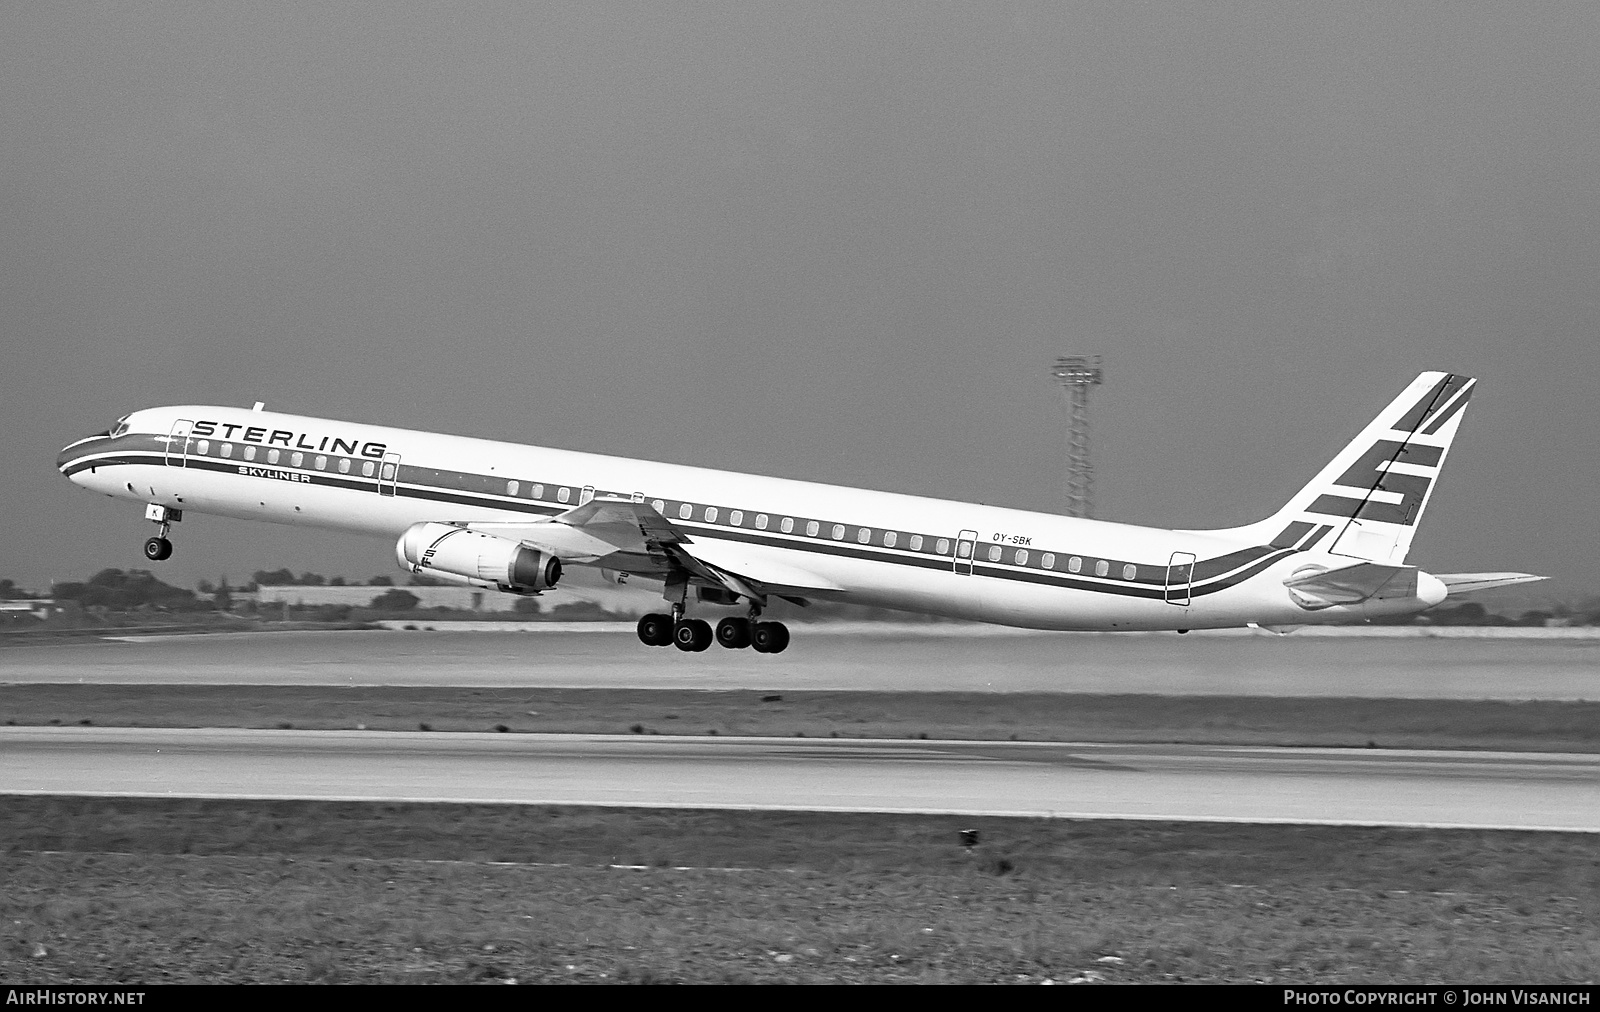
{"x":994,"y":553}
{"x":296,"y":458}
{"x":227,"y":449}
{"x":658,"y":506}
{"x":1074,"y":564}
{"x":249,"y":453}
{"x":1022,"y":557}
{"x":272,"y":456}
{"x":322,"y":463}
{"x":761,"y":521}
{"x":684,"y":511}
{"x":1102,"y":567}
{"x":563,"y":494}
{"x":838,"y":532}
{"x":1129,"y":571}
{"x":344,"y":465}
{"x":787,"y":525}
{"x":388,"y":472}
{"x":864,"y":535}
{"x":916,"y":542}
{"x":711,"y":514}
{"x":812,"y":527}
{"x":942,"y":547}
{"x":536,"y":491}
{"x":1048,"y":560}
{"x":203,"y":447}
{"x":368,"y":468}
{"x":736,"y":518}
{"x":889,"y":539}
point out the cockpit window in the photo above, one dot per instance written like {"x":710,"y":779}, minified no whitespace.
{"x":119,"y":428}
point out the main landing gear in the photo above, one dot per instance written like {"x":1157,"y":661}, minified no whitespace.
{"x":693,"y":634}
{"x":158,"y":548}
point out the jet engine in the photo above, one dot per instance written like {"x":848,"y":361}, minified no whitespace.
{"x":470,"y":557}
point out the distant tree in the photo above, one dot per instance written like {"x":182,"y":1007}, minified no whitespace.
{"x":312,"y":580}
{"x":396,"y":600}
{"x":1467,"y":613}
{"x":9,"y":590}
{"x":118,"y":590}
{"x":275,"y":578}
{"x":336,"y":581}
{"x":205,"y":587}
{"x":223,"y":598}
{"x":380,"y":581}
{"x":526,"y":606}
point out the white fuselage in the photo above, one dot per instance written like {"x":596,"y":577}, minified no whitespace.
{"x":897,"y":551}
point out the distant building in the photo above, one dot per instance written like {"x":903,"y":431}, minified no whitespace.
{"x":612,"y":599}
{"x":37,"y":607}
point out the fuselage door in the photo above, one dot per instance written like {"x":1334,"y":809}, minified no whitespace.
{"x":966,"y":545}
{"x":1180,"y":574}
{"x":178,"y":443}
{"x":388,"y":473}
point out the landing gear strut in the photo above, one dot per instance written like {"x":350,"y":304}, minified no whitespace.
{"x":158,"y":548}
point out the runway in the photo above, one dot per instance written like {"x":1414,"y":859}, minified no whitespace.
{"x":1324,"y":786}
{"x":941,"y":658}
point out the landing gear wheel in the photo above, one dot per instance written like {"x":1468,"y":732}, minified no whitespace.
{"x":734,"y":632}
{"x":157,"y":549}
{"x":769,"y":637}
{"x":691,"y":634}
{"x":655,"y":630}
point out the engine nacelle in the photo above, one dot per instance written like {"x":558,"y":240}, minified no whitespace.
{"x":476,"y":558}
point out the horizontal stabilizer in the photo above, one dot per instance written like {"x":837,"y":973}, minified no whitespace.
{"x":1351,"y":585}
{"x":1467,"y":583}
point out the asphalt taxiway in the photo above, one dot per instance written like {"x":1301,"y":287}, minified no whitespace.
{"x":935,"y":658}
{"x":1325,"y":786}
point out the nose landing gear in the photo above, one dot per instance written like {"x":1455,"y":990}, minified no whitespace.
{"x":158,"y":548}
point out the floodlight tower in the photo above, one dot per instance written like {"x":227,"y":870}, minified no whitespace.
{"x":1077,"y":374}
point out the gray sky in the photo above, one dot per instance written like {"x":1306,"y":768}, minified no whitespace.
{"x":841,"y":243}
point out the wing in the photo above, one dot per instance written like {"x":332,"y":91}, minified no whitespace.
{"x":629,"y":536}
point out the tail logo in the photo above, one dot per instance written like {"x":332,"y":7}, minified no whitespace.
{"x":1402,"y":493}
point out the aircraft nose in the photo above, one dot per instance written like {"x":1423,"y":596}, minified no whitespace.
{"x":71,"y":452}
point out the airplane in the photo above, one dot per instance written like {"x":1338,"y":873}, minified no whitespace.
{"x":510,"y":517}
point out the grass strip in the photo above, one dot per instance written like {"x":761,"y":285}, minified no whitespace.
{"x":1533,"y":726}
{"x":151,"y":890}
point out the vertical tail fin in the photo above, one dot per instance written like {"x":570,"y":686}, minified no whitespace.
{"x":1367,"y":502}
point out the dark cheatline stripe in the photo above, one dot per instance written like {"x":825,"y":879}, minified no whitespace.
{"x":1306,"y":545}
{"x":1241,"y":576}
{"x":1291,"y":535}
{"x":1207,"y":569}
{"x":1448,"y":413}
{"x":1208,"y":573}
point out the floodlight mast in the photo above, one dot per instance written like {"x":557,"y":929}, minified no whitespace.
{"x":1076,"y":374}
